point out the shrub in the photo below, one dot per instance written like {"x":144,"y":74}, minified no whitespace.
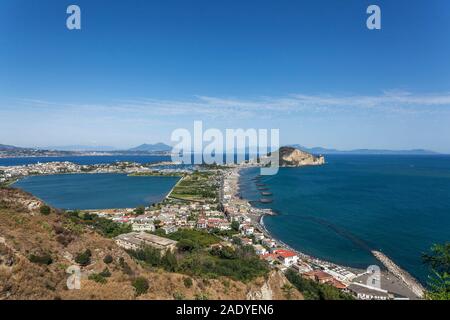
{"x":44,"y":259}
{"x":97,"y":277}
{"x":186,"y":245}
{"x":178,"y":296}
{"x":45,"y":210}
{"x":187,"y":282}
{"x":105,"y":273}
{"x":139,"y":210}
{"x":108,"y":259}
{"x":84,"y":258}
{"x":141,"y":285}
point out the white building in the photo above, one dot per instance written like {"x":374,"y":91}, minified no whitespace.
{"x":146,"y":226}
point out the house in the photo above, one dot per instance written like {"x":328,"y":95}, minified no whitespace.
{"x":302,"y":267}
{"x":319,"y":276}
{"x":287,"y":258}
{"x":258,"y":235}
{"x":259,"y":249}
{"x":136,"y":240}
{"x":247,"y":230}
{"x":269,"y":243}
{"x":143,"y":226}
{"x":201,"y":224}
{"x":169,"y":229}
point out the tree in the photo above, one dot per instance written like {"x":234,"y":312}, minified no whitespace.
{"x":108,"y":259}
{"x":45,"y":210}
{"x":44,"y":259}
{"x":235,"y":225}
{"x":439,"y":280}
{"x":186,"y":245}
{"x":141,"y":285}
{"x":187,"y":282}
{"x":84,"y":258}
{"x":287,"y":290}
{"x":139,"y":210}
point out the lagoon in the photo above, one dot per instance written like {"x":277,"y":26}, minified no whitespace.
{"x":97,"y":191}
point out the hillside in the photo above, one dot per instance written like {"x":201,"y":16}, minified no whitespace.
{"x":4,"y":147}
{"x":36,"y":250}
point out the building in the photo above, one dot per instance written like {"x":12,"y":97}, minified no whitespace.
{"x":319,"y":276}
{"x":136,"y":240}
{"x":169,"y":229}
{"x":367,"y":293}
{"x":201,"y":224}
{"x":287,"y":258}
{"x":145,"y":226}
{"x":259,"y":249}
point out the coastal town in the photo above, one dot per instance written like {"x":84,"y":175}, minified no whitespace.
{"x":207,"y":198}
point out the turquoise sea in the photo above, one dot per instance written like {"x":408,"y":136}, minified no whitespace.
{"x":340,"y":211}
{"x":97,"y":191}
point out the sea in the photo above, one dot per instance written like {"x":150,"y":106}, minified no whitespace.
{"x":399,"y":205}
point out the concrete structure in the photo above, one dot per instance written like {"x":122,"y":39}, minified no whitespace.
{"x":136,"y":240}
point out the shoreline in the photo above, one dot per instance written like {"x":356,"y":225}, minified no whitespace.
{"x":407,"y":279}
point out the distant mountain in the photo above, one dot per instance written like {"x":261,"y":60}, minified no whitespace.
{"x":80,"y":148}
{"x":319,"y":150}
{"x":4,"y":147}
{"x":157,"y":147}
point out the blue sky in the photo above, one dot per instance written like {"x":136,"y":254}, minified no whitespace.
{"x":139,"y":69}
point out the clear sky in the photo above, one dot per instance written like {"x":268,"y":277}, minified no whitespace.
{"x":139,"y":69}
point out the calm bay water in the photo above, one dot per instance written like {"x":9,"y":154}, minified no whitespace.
{"x":397,"y":204}
{"x":97,"y":191}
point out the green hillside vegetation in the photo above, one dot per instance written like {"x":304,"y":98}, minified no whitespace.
{"x":194,"y":258}
{"x":438,"y":261}
{"x":106,"y":227}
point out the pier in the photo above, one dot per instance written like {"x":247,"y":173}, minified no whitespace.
{"x":409,"y":281}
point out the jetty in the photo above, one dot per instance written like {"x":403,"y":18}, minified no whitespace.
{"x":407,"y":279}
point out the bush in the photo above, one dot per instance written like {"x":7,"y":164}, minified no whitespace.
{"x":45,"y":210}
{"x":105,"y":273}
{"x":84,"y":258}
{"x":187,"y":282}
{"x":97,"y":277}
{"x":125,"y":267}
{"x":108,"y":259}
{"x":44,"y":259}
{"x":186,"y":245}
{"x":178,"y":296}
{"x":139,"y":210}
{"x":141,"y":285}
{"x":200,"y":239}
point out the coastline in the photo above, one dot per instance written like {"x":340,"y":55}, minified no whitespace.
{"x":406,"y":279}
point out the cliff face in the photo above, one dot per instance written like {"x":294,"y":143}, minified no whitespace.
{"x":291,"y":157}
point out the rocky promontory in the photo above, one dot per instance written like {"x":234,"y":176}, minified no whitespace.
{"x":292,"y":157}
